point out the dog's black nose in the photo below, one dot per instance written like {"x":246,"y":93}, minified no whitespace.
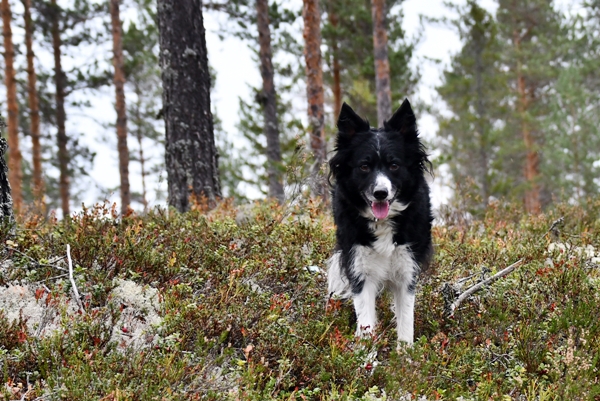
{"x":380,"y":194}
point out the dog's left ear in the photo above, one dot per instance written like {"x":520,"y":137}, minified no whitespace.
{"x":349,"y":123}
{"x":403,"y":121}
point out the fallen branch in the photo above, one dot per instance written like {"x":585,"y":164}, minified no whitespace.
{"x":450,"y":309}
{"x":37,"y":263}
{"x":75,"y":291}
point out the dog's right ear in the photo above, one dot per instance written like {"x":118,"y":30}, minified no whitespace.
{"x":349,"y":123}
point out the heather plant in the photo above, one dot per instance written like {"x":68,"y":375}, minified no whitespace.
{"x":243,"y":312}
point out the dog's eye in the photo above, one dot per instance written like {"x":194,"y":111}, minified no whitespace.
{"x":364,"y":167}
{"x":394,"y":167}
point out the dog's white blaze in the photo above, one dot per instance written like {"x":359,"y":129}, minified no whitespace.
{"x":382,"y":182}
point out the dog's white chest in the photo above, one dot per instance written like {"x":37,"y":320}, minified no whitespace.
{"x":384,"y":234}
{"x":384,"y":261}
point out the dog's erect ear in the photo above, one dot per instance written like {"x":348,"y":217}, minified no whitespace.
{"x":350,"y":123}
{"x":403,"y":121}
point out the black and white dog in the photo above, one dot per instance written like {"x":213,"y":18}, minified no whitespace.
{"x":383,"y":216}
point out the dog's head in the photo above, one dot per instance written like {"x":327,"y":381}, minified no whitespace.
{"x":378,"y":170}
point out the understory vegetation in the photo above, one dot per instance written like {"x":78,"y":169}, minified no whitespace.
{"x":244,"y":315}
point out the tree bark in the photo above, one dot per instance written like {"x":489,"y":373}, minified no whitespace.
{"x":479,"y":47}
{"x":531,"y":168}
{"x":61,"y":137}
{"x":121,"y":108}
{"x":6,"y":202}
{"x":15,"y":174}
{"x":337,"y":87}
{"x":269,"y":100}
{"x":382,"y":65}
{"x":140,"y":139}
{"x":314,"y":91}
{"x":34,"y":110}
{"x":191,"y":154}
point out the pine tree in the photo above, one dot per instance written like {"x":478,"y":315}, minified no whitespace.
{"x":474,"y":90}
{"x":60,"y":84}
{"x":143,"y":80}
{"x":6,"y":202}
{"x":572,"y":126}
{"x":66,"y":28}
{"x":336,"y":86}
{"x":532,"y":31}
{"x":34,"y":113}
{"x":191,"y":156}
{"x":382,"y":64}
{"x":251,"y":177}
{"x":15,"y":175}
{"x":348,"y":34}
{"x":121,"y":107}
{"x":268,"y":101}
{"x":314,"y":91}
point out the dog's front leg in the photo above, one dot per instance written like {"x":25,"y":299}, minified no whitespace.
{"x":404,"y":306}
{"x":364,"y":306}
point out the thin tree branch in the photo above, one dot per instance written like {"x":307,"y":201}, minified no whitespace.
{"x":75,"y":291}
{"x":35,"y":261}
{"x":480,"y":285}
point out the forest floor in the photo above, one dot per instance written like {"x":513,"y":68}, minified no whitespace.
{"x":231,"y":304}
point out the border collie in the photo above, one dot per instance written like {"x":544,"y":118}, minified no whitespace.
{"x":383,"y":216}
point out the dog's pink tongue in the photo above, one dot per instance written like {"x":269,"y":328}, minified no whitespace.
{"x":380,"y":209}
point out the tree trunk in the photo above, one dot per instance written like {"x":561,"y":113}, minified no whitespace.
{"x":479,"y":47}
{"x":59,"y":80}
{"x":140,"y":138}
{"x":34,"y":110}
{"x":531,"y":169}
{"x":337,"y":87}
{"x":190,"y":155}
{"x":119,"y":81}
{"x":269,"y":101}
{"x":15,"y":175}
{"x":314,"y":91}
{"x":6,"y":202}
{"x":382,"y":65}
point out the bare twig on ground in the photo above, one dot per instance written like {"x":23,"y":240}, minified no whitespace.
{"x":452,"y":307}
{"x":35,"y":261}
{"x":72,"y":279}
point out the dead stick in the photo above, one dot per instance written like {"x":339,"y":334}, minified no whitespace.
{"x":75,"y":291}
{"x":482,"y":284}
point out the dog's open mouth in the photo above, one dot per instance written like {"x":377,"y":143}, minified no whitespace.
{"x":380,"y":209}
